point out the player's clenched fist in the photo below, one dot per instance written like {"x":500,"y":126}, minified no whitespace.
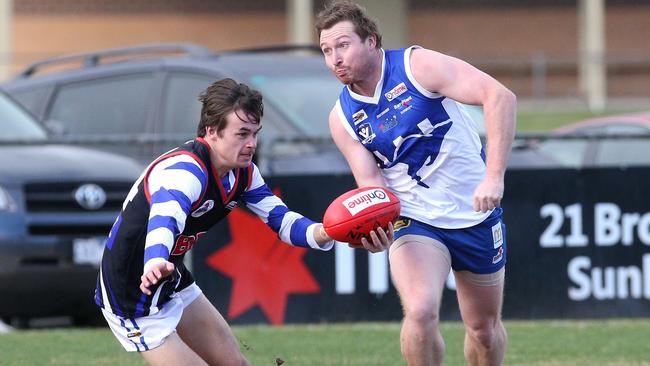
{"x":488,"y":194}
{"x":154,"y":274}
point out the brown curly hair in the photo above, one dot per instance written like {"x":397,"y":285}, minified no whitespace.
{"x":339,"y":11}
{"x":224,"y":96}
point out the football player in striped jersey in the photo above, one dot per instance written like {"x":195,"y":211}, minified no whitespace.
{"x":147,"y":295}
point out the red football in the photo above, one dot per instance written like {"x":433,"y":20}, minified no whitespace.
{"x":355,"y":213}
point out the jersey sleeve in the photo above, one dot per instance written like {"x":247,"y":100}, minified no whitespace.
{"x":174,"y":184}
{"x":292,"y":227}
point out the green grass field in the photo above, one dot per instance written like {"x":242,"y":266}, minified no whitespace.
{"x":552,"y":343}
{"x":528,"y":121}
{"x":540,"y":121}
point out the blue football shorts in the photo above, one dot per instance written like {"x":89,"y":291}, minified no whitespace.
{"x":478,"y":249}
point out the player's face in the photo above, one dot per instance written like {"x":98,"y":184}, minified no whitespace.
{"x":235,"y":145}
{"x":346,"y":55}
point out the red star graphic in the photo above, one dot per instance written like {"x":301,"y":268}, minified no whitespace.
{"x":263,"y":269}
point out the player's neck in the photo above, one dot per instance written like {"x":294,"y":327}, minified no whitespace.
{"x":222,"y":171}
{"x":218,"y":166}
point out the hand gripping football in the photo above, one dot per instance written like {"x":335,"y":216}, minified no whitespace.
{"x":354,"y":214}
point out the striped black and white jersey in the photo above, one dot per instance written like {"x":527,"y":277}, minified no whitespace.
{"x":179,"y":197}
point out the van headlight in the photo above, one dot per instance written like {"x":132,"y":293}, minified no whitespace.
{"x":7,"y":203}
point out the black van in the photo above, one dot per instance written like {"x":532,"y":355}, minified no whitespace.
{"x":57,"y":205}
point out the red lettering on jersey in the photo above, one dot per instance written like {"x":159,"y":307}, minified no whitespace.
{"x":185,"y":243}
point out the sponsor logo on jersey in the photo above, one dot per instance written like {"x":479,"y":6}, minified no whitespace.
{"x":205,"y":207}
{"x":396,"y":91}
{"x":403,"y":103}
{"x":401,"y":223}
{"x":388,"y":123}
{"x":365,"y":199}
{"x":498,"y":257}
{"x":366,"y":132}
{"x":497,"y":235}
{"x":359,"y":116}
{"x":382,"y":113}
{"x":185,"y":243}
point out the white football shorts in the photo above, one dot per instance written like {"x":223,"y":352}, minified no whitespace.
{"x":148,"y":332}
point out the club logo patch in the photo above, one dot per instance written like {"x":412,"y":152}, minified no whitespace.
{"x":205,"y":207}
{"x":497,"y":235}
{"x":366,"y":133}
{"x":359,"y":117}
{"x":396,"y":91}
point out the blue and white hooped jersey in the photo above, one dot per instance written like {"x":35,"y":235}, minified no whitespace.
{"x":425,"y":144}
{"x":177,"y":199}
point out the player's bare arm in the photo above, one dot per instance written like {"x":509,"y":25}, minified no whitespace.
{"x":366,"y":173}
{"x":154,"y":274}
{"x":364,"y":168}
{"x":461,"y":81}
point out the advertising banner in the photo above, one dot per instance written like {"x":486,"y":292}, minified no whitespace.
{"x":578,"y":246}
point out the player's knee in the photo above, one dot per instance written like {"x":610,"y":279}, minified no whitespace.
{"x":423,"y":314}
{"x":486,"y":334}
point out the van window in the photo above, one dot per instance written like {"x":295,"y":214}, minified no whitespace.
{"x":33,"y":99}
{"x":181,"y":106}
{"x":16,"y":123}
{"x":305,"y":100}
{"x":115,"y":105}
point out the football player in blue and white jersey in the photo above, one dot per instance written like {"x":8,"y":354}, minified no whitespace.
{"x":147,"y":295}
{"x":399,"y":124}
